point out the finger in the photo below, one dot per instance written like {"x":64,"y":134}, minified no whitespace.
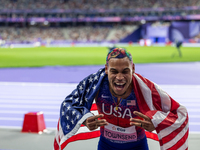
{"x":90,"y":119}
{"x":141,"y":115}
{"x":92,"y":127}
{"x":140,"y":121}
{"x":136,"y":120}
{"x":135,"y":124}
{"x":102,"y":122}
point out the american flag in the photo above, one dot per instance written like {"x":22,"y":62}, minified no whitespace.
{"x":169,"y":117}
{"x":75,"y":109}
{"x":131,"y":102}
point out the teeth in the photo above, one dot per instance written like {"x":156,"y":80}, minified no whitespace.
{"x":120,"y":83}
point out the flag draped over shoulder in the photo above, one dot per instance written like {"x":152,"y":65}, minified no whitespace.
{"x":77,"y":107}
{"x":170,"y":119}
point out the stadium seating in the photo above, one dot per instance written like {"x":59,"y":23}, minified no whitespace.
{"x":70,"y":34}
{"x":87,"y":20}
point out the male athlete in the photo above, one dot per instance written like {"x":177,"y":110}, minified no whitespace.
{"x":128,"y":104}
{"x":116,"y":102}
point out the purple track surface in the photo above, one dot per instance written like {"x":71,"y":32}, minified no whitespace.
{"x":163,"y":73}
{"x":25,"y":90}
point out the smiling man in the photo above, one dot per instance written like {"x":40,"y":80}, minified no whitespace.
{"x":128,"y":104}
{"x":120,"y":73}
{"x":117,"y":108}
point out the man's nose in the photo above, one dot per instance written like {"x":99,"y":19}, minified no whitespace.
{"x":119,"y":76}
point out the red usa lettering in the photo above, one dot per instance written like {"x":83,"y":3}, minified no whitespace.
{"x":119,"y":113}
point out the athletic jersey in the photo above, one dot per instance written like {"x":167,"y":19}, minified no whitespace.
{"x":119,"y":129}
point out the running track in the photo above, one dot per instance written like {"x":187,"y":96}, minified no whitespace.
{"x":43,"y":89}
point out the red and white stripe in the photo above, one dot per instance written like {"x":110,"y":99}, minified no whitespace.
{"x":170,"y":119}
{"x":80,"y":132}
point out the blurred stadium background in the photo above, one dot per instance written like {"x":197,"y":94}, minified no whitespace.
{"x":41,"y":33}
{"x":67,"y":22}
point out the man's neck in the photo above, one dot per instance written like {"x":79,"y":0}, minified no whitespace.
{"x":124,"y":95}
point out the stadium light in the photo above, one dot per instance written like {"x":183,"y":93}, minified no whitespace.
{"x":46,"y":23}
{"x":32,"y":23}
{"x":143,"y":21}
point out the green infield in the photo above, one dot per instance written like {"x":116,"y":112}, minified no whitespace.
{"x":72,"y":56}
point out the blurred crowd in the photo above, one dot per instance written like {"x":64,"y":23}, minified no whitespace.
{"x":72,"y":9}
{"x":95,"y":8}
{"x":196,"y":39}
{"x":94,"y":4}
{"x":29,"y":34}
{"x":71,"y":34}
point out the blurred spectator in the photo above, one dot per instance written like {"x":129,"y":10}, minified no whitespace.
{"x":30,"y":34}
{"x":93,"y":4}
{"x":75,"y":34}
{"x":96,"y":8}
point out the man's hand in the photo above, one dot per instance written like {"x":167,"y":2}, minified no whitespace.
{"x":146,"y":123}
{"x":94,"y":122}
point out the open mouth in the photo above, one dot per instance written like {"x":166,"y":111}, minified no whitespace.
{"x":119,"y":86}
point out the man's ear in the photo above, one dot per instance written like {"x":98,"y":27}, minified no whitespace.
{"x":133,"y":67}
{"x":106,"y":68}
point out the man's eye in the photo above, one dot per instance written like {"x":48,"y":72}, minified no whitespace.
{"x":125,"y":72}
{"x":114,"y":72}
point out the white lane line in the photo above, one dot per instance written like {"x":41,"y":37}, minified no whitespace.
{"x":30,"y":106}
{"x":194,"y":116}
{"x":28,"y":101}
{"x":194,"y":123}
{"x":193,"y":110}
{"x":43,"y":97}
{"x":24,"y":112}
{"x":39,"y":84}
{"x":191,"y":104}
